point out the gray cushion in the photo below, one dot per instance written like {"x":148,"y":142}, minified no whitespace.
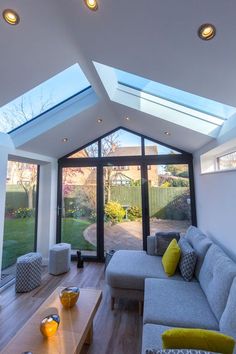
{"x":188,"y":259}
{"x":162,"y":241}
{"x":178,"y":304}
{"x":151,"y":245}
{"x":216,"y":277}
{"x":128,"y":269}
{"x":200,"y":244}
{"x":152,"y":336}
{"x":228,"y":319}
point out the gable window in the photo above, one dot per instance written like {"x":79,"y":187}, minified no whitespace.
{"x":121,"y":143}
{"x":116,"y":190}
{"x":89,"y":151}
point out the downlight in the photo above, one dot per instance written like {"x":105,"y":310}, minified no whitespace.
{"x":11,"y":17}
{"x":91,"y":4}
{"x":206,"y":31}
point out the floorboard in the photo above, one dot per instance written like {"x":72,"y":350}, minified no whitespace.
{"x":115,"y":332}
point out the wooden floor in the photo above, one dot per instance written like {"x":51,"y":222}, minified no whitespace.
{"x":115,"y":332}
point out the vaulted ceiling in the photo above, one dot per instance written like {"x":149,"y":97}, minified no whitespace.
{"x":154,"y":39}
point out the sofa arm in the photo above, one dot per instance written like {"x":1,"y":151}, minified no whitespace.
{"x":151,"y":245}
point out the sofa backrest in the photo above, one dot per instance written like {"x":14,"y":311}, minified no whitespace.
{"x":228,"y":319}
{"x":216,"y":277}
{"x":200,"y":243}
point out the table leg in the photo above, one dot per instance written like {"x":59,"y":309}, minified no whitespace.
{"x":89,"y":337}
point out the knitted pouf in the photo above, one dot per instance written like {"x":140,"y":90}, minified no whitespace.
{"x":59,"y":258}
{"x":28,"y":272}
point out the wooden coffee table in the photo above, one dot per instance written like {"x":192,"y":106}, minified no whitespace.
{"x":75,"y":329}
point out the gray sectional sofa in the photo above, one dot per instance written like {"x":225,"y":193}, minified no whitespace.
{"x":208,"y":301}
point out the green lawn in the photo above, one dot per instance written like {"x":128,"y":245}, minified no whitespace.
{"x":19,"y":237}
{"x":72,"y":232}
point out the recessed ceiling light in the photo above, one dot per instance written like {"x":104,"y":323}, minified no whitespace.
{"x":65,"y":140}
{"x":206,"y":31}
{"x":91,"y":4}
{"x":167,"y":133}
{"x":11,"y":17}
{"x":99,"y":120}
{"x":127,"y":118}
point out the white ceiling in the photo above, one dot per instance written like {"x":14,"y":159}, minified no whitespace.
{"x":155,"y":39}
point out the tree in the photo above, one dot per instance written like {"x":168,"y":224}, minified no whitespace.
{"x":25,"y":108}
{"x":25,"y":175}
{"x":177,"y":170}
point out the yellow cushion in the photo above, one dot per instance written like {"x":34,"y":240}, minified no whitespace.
{"x":171,"y":258}
{"x":202,"y":339}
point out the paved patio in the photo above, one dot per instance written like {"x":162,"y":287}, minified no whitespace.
{"x":128,"y":235}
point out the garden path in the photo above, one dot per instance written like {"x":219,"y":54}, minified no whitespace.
{"x":128,"y":235}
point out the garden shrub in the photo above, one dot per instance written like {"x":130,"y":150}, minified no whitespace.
{"x":134,"y":213}
{"x":22,"y":213}
{"x":114,"y":212}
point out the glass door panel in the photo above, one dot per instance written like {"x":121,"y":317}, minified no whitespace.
{"x":169,"y":198}
{"x":122,"y":208}
{"x":79,"y":209}
{"x":20,"y":215}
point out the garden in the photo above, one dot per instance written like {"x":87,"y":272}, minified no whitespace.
{"x":79,"y":217}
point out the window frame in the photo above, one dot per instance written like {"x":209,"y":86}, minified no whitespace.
{"x":108,"y":161}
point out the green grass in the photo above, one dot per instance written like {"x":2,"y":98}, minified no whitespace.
{"x":72,"y":232}
{"x":19,"y":237}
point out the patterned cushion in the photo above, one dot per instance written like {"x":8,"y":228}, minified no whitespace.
{"x":188,"y":259}
{"x":176,"y":351}
{"x":162,"y":241}
{"x":28,"y":272}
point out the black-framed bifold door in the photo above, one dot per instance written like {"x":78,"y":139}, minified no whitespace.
{"x":123,"y":228}
{"x":119,"y":189}
{"x":77,"y":209}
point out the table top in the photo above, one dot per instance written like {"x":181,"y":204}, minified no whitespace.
{"x":74,"y":326}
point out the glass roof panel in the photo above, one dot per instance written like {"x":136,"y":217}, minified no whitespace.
{"x":42,"y":98}
{"x":174,"y":95}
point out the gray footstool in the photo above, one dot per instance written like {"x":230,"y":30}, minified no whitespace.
{"x":59,"y":258}
{"x":28,"y":272}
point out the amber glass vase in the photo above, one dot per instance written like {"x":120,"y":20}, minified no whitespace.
{"x":49,"y":325}
{"x":69,"y":296}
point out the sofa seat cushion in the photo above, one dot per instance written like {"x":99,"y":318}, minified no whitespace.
{"x":178,"y":304}
{"x":128,"y":269}
{"x":152,"y":336}
{"x":216,"y":277}
{"x":200,"y":243}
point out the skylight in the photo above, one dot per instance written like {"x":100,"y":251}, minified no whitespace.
{"x":166,"y":103}
{"x":177,"y":96}
{"x":42,"y":98}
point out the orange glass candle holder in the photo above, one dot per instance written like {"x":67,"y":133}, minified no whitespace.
{"x":69,"y":296}
{"x":49,"y":325}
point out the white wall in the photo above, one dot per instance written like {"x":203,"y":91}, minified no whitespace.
{"x":47,"y":208}
{"x":216,"y":205}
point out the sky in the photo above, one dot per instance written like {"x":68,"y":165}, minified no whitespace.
{"x":129,"y":139}
{"x":55,"y":90}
